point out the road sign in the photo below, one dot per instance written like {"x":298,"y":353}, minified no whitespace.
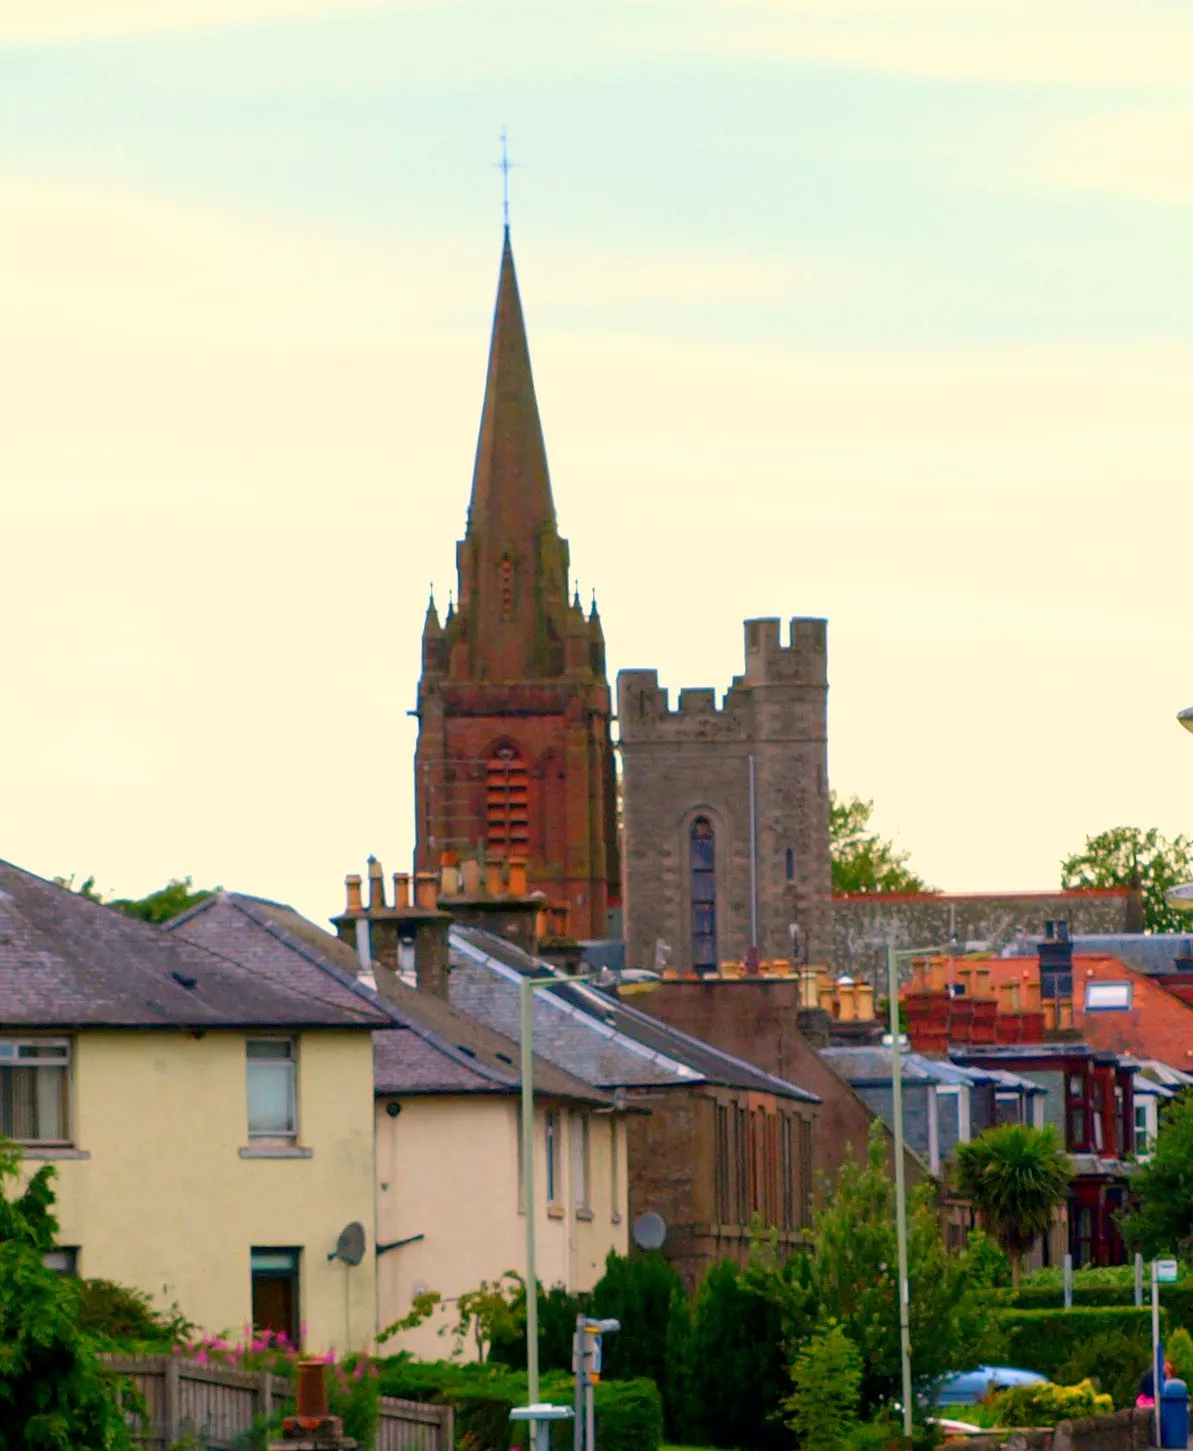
{"x":1166,"y":1271}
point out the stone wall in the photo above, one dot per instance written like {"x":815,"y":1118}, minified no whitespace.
{"x":1123,"y":1431}
{"x":680,"y":765}
{"x":863,"y":924}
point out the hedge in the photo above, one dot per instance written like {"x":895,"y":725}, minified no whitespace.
{"x":1048,"y":1340}
{"x":1176,"y":1299}
{"x":629,"y":1414}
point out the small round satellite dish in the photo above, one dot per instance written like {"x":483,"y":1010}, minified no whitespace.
{"x":350,"y":1247}
{"x":650,"y":1231}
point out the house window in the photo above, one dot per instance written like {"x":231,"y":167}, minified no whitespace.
{"x":273,"y":1098}
{"x":552,"y":1128}
{"x":1083,"y":1237}
{"x":1142,"y":1138}
{"x":615,"y":1167}
{"x":703,"y":862}
{"x":1107,"y":997}
{"x":805,"y":1168}
{"x":581,"y":1160}
{"x":741,"y":1146}
{"x":722,"y":1164}
{"x":507,"y":802}
{"x":1078,"y":1122}
{"x":1008,"y":1108}
{"x":275,"y":1292}
{"x":63,"y":1260}
{"x":34,"y":1090}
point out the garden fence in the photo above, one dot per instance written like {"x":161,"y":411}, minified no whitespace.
{"x":213,"y":1406}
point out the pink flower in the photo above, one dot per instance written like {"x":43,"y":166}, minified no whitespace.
{"x":201,"y":1358}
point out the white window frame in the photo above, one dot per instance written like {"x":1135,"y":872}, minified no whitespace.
{"x":23,"y":1052}
{"x":1108,"y":997}
{"x":581,"y":1136}
{"x":553,"y":1156}
{"x":272,"y":1135}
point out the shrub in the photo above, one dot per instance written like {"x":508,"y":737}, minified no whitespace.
{"x":1045,"y":1405}
{"x":827,"y":1376}
{"x":1180,"y":1351}
{"x":1050,"y":1341}
{"x":120,"y":1316}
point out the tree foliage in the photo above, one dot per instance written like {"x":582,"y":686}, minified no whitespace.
{"x":1126,"y":856}
{"x":827,"y":1382}
{"x":1160,"y":1219}
{"x":854,"y":1275}
{"x":861,"y":860}
{"x":54,"y":1392}
{"x":1016,"y":1177}
{"x":176,"y":896}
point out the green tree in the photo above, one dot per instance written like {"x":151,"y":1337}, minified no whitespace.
{"x":55,"y":1394}
{"x":1160,"y":1218}
{"x":827,"y":1380}
{"x":854,"y":1281}
{"x":861,"y":860}
{"x":176,"y":896}
{"x":1016,"y":1178}
{"x":1126,"y":856}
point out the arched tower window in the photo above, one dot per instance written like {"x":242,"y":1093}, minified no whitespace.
{"x":703,"y":864}
{"x":507,"y":803}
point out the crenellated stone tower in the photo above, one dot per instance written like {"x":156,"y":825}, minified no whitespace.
{"x":726,"y":813}
{"x":513,"y":751}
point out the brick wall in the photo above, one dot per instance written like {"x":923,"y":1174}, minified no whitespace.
{"x":755,"y":1019}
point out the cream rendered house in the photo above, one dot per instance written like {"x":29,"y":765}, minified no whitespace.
{"x":210,"y":1124}
{"x":449,"y":1207}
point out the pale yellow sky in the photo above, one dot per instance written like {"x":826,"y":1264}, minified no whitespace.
{"x":238,"y":436}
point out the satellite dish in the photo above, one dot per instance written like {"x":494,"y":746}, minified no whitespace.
{"x":350,"y":1247}
{"x":650,"y":1231}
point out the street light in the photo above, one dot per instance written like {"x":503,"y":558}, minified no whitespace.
{"x":1180,"y":899}
{"x":526,"y":1006}
{"x":893,"y":954}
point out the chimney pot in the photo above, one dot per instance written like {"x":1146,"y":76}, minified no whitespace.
{"x":376,"y":886}
{"x":472,"y":877}
{"x":352,"y":884}
{"x":449,"y":878}
{"x":401,"y":890}
{"x":495,"y":878}
{"x":426,"y":890}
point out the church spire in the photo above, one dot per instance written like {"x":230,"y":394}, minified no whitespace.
{"x":510,"y":482}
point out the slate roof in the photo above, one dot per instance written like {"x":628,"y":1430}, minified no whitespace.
{"x":426,"y":1046}
{"x":871,"y":1063}
{"x":589,"y":1033}
{"x":69,"y":962}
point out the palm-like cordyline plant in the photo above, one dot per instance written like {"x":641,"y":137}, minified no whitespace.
{"x":1015,"y":1177}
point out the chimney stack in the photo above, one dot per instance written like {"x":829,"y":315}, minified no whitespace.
{"x":376,"y":886}
{"x":352,"y":886}
{"x":379,"y":932}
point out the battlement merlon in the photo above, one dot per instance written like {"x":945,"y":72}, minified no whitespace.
{"x":803,"y":661}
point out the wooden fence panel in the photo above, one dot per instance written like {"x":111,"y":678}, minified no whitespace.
{"x":217,"y":1403}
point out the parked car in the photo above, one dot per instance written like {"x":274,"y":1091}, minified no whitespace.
{"x":968,"y":1388}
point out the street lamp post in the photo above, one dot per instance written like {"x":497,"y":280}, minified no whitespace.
{"x":893,"y":954}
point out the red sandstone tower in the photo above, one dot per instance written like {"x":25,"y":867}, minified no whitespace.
{"x":513,"y":705}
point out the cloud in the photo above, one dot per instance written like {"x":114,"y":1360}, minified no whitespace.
{"x":54,"y":21}
{"x":1141,"y":154}
{"x":1112,"y":43}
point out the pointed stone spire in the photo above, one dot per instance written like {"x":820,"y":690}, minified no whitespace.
{"x":510,"y":481}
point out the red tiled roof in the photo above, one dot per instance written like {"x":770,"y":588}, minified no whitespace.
{"x":1158,"y":1024}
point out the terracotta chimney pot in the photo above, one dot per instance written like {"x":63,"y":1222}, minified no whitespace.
{"x":495,"y":878}
{"x":471,"y":871}
{"x":352,"y":884}
{"x":865,"y":1002}
{"x":376,"y":886}
{"x":426,"y":889}
{"x":401,"y":890}
{"x":847,"y":997}
{"x":449,"y":878}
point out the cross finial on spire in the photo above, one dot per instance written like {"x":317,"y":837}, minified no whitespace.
{"x":506,"y":166}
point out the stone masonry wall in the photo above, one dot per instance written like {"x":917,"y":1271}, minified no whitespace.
{"x":694,"y":761}
{"x":863,"y":924}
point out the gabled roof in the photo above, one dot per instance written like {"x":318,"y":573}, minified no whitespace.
{"x":69,"y":962}
{"x":589,"y":1033}
{"x":1157,"y":1024}
{"x":870,"y":1063}
{"x":425,"y":1046}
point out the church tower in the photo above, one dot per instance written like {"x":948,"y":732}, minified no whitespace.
{"x":513,"y":705}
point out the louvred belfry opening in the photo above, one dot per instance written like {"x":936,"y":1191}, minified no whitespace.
{"x":518,"y":661}
{"x":507,"y":803}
